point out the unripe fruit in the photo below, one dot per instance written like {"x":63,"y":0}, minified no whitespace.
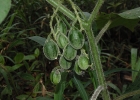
{"x":83,"y":62}
{"x":65,"y":64}
{"x":69,"y":52}
{"x":77,"y":70}
{"x":55,"y":76}
{"x":76,"y":38}
{"x":62,"y":40}
{"x":50,"y":49}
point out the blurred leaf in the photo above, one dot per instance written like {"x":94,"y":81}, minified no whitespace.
{"x":108,"y":72}
{"x":2,"y":60}
{"x":133,"y":62}
{"x":36,"y":52}
{"x":10,"y":23}
{"x":9,"y":59}
{"x":4,"y":74}
{"x":134,"y":85}
{"x":131,"y":14}
{"x":137,"y":68}
{"x":16,"y":43}
{"x":80,"y":88}
{"x":5,"y":91}
{"x":24,"y":97}
{"x":29,"y":57}
{"x":19,"y":58}
{"x":87,"y":14}
{"x":5,"y":6}
{"x":13,"y":68}
{"x":38,"y":39}
{"x":35,"y":64}
{"x":36,"y":89}
{"x":27,"y":76}
{"x":43,"y":98}
{"x":117,"y":20}
{"x":114,"y":87}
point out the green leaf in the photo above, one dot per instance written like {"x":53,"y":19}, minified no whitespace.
{"x":114,"y":87}
{"x":137,"y":68}
{"x":6,"y":90}
{"x":13,"y":68}
{"x":117,"y":20}
{"x":36,"y":52}
{"x":19,"y":58}
{"x":4,"y":74}
{"x":131,"y":14}
{"x":108,"y":72}
{"x":134,"y":85}
{"x":133,"y":62}
{"x":29,"y":57}
{"x":27,"y":76}
{"x":35,"y":64}
{"x":24,"y":97}
{"x":15,"y":43}
{"x":36,"y":89}
{"x":43,"y":98}
{"x":5,"y":6}
{"x":38,"y":39}
{"x":2,"y":60}
{"x":80,"y":88}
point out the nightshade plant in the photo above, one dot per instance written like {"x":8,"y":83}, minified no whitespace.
{"x":64,"y":43}
{"x":76,"y":41}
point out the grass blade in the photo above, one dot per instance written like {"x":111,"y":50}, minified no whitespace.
{"x":80,"y":88}
{"x":133,"y":62}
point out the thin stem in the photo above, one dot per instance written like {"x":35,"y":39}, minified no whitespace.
{"x":95,"y":11}
{"x":101,"y":33}
{"x":62,"y":9}
{"x":77,"y":15}
{"x":97,"y":92}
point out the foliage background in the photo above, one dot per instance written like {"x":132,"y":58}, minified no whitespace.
{"x":26,"y":70}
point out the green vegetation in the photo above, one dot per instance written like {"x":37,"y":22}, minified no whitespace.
{"x":69,"y":50}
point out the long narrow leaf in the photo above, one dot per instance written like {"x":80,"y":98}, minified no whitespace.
{"x":108,"y":72}
{"x":5,"y":75}
{"x":80,"y":88}
{"x":133,"y":61}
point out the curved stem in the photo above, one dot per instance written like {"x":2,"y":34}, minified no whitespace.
{"x":62,"y":9}
{"x":101,"y":33}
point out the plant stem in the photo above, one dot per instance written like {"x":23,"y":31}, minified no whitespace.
{"x":62,"y":9}
{"x":101,"y":33}
{"x":97,"y":61}
{"x":95,"y":51}
{"x":96,"y":93}
{"x":95,"y":11}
